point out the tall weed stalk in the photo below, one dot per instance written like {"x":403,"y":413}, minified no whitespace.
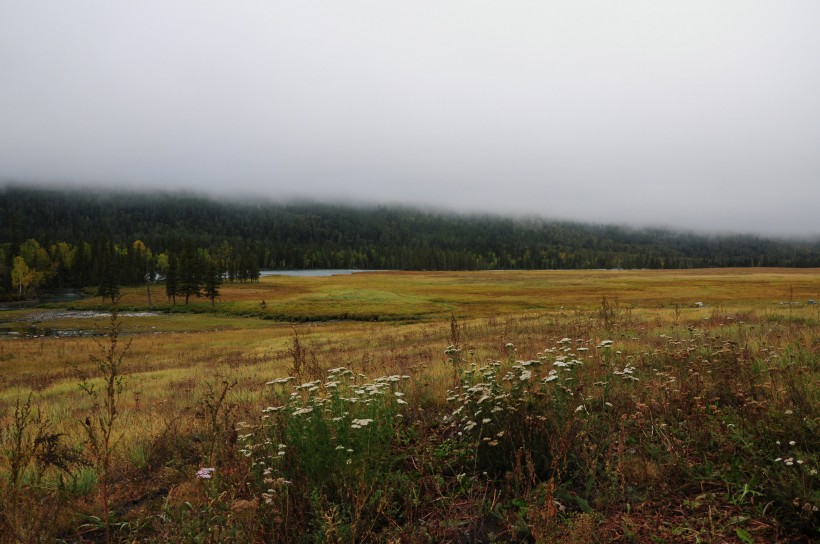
{"x":101,"y":423}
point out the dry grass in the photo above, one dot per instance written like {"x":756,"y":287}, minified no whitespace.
{"x":176,"y":360}
{"x":424,"y":295}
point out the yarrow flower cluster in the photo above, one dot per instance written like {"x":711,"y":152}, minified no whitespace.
{"x":489,"y":399}
{"x":626,"y":373}
{"x":321,"y":425}
{"x":794,"y":459}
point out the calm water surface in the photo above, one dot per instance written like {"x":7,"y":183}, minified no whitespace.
{"x":312,"y":273}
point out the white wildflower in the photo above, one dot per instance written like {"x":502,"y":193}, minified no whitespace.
{"x":280,"y":380}
{"x":205,"y":473}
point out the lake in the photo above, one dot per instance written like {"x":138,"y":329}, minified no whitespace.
{"x":311,"y":273}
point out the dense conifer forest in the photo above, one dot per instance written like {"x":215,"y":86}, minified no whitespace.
{"x":52,"y":238}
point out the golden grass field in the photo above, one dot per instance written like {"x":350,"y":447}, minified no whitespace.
{"x":172,"y":354}
{"x":377,"y":324}
{"x":394,"y":295}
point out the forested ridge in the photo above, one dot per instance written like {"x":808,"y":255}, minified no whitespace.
{"x":241,"y":238}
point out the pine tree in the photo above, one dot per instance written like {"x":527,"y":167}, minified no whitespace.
{"x":213,"y":280}
{"x":144,"y":255}
{"x":172,"y":278}
{"x":190,"y":272}
{"x":109,"y":273}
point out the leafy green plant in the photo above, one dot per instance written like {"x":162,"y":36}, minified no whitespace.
{"x":500,"y":409}
{"x":324,"y":453}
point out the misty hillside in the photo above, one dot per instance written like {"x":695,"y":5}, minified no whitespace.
{"x":294,"y":236}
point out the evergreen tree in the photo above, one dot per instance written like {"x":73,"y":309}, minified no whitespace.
{"x":172,"y":278}
{"x":83,"y":269}
{"x":213,"y":280}
{"x":11,"y":251}
{"x":143,"y":254}
{"x":5,"y":270}
{"x":190,"y":272}
{"x":109,"y":284}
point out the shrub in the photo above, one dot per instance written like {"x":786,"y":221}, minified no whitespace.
{"x":323,"y":456}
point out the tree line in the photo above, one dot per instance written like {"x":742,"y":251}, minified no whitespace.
{"x":186,"y":270}
{"x":81,"y":238}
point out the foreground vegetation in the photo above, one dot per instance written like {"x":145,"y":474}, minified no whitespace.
{"x":524,"y":407}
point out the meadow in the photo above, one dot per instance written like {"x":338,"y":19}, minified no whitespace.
{"x":549,"y":406}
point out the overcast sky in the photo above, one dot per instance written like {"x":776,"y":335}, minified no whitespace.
{"x":692,"y":114}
